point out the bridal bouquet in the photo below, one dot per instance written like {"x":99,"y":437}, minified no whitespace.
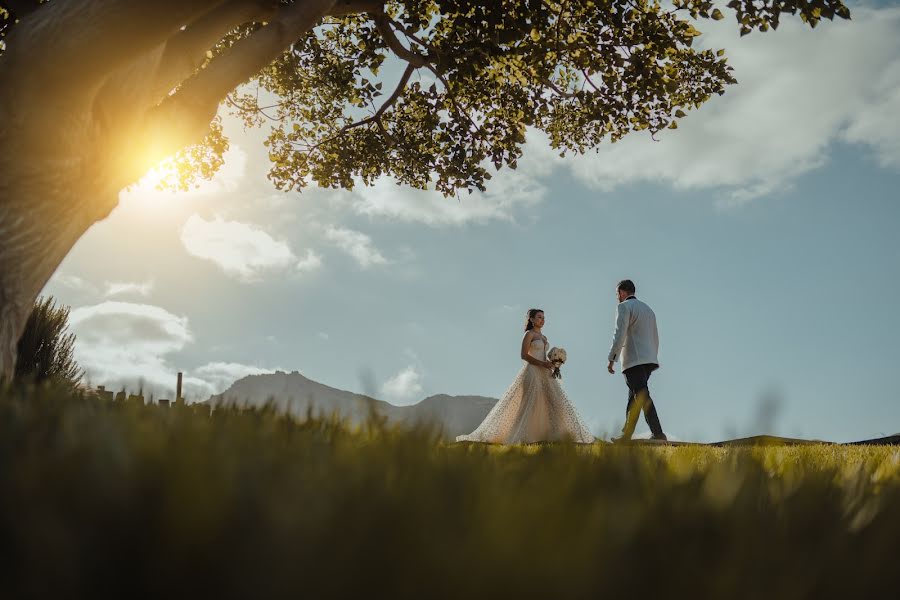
{"x":557,"y":356}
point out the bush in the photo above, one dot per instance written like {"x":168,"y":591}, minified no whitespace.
{"x":45,"y":351}
{"x":119,"y":498}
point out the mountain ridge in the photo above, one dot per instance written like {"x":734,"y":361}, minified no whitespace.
{"x":296,"y":394}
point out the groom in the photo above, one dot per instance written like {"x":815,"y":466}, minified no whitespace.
{"x":636,"y":343}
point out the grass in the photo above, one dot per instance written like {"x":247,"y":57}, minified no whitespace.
{"x":120,"y":498}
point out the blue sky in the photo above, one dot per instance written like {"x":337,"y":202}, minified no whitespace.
{"x":762,"y":232}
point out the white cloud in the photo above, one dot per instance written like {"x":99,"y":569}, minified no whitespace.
{"x":114,"y":288}
{"x":126,"y":345}
{"x":73,"y":282}
{"x":241,"y":250}
{"x":122,"y":344}
{"x":309,"y":263}
{"x":877,"y":124}
{"x":356,"y":244}
{"x":220,"y":375}
{"x":109,"y":288}
{"x":385,"y":199}
{"x":508,"y":193}
{"x":323,"y":336}
{"x":799,"y":90}
{"x":404,"y":386}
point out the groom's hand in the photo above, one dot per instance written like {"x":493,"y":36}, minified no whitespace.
{"x":609,"y":367}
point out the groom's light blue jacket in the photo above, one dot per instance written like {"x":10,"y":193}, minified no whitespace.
{"x":636,"y":341}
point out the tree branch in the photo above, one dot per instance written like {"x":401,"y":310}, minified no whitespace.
{"x":147,"y":80}
{"x":352,"y":7}
{"x":410,"y":35}
{"x":247,"y":57}
{"x":588,"y":79}
{"x":182,"y":118}
{"x":549,"y":83}
{"x":186,"y":51}
{"x":460,"y":110}
{"x":382,"y":23}
{"x":376,"y":118}
{"x":261,"y":110}
{"x":21,"y":8}
{"x":75,"y":44}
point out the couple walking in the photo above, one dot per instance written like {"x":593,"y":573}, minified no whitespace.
{"x":535,"y":407}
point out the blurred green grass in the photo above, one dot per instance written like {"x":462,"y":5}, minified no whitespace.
{"x":119,"y":498}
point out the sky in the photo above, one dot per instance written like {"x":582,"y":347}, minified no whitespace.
{"x":762,"y":232}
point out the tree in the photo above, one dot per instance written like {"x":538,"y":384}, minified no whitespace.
{"x":94,"y":92}
{"x":46,"y":349}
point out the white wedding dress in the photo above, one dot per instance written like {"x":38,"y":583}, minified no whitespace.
{"x":534,"y":409}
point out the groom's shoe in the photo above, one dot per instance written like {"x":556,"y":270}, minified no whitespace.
{"x":621,"y":439}
{"x":661,"y":437}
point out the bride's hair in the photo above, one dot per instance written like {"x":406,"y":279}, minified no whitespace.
{"x":532,"y":312}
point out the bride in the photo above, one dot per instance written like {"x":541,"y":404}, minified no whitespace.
{"x":535,"y":407}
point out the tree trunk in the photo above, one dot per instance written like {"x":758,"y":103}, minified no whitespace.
{"x":45,"y":207}
{"x":12,"y":322}
{"x":85,"y":107}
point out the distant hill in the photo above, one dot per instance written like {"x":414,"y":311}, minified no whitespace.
{"x":295,"y":394}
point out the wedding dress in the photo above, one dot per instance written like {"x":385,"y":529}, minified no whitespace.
{"x":534,"y":409}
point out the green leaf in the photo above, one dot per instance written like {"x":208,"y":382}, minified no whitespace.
{"x":490,"y":57}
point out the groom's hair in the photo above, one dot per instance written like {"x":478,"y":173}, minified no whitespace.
{"x":626,"y":285}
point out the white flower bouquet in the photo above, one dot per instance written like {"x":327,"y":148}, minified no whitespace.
{"x":557,"y":356}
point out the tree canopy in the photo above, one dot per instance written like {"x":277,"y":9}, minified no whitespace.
{"x":473,"y":75}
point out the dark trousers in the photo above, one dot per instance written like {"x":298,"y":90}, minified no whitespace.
{"x":637,"y":378}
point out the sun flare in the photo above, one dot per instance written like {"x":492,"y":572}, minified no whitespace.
{"x":147,"y":193}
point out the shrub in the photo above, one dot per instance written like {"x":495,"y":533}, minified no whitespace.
{"x":46,"y":349}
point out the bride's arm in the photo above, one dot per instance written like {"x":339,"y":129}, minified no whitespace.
{"x":526,"y":342}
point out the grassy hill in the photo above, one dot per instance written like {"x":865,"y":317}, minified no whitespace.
{"x":119,"y":498}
